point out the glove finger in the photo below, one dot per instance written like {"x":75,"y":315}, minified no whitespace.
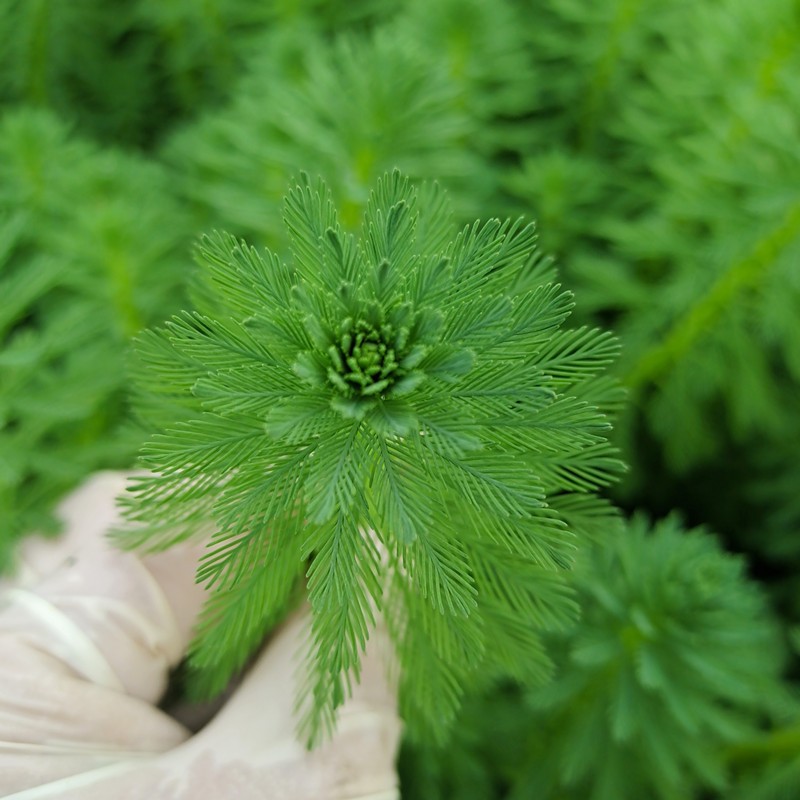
{"x":37,"y":556}
{"x":86,"y":649}
{"x":251,"y":751}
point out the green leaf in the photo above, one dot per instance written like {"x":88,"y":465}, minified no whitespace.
{"x":263,"y":509}
{"x":444,"y":650}
{"x":249,"y":283}
{"x":345,"y":590}
{"x":485,"y":256}
{"x":336,"y":473}
{"x":400,"y":490}
{"x":477,"y":319}
{"x":389,"y":233}
{"x":583,"y":470}
{"x":534,"y":317}
{"x":491,"y":482}
{"x":446,"y":363}
{"x":247,"y":390}
{"x":309,"y":214}
{"x":439,"y":569}
{"x":392,"y":418}
{"x":574,"y":355}
{"x":311,"y":369}
{"x":301,"y":418}
{"x":215,"y":343}
{"x":235,"y":619}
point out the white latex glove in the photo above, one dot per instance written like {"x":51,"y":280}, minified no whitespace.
{"x":87,"y":636}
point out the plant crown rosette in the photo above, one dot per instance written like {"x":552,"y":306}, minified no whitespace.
{"x":672,"y":630}
{"x":399,"y":417}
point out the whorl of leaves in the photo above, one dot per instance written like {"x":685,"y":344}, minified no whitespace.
{"x":398,"y":416}
{"x":350,"y":109}
{"x":672,"y":664}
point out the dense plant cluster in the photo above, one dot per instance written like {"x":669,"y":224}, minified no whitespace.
{"x":670,"y":631}
{"x":654,"y":143}
{"x":85,"y":262}
{"x":407,"y":382}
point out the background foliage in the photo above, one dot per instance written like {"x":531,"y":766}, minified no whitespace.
{"x":655,"y":143}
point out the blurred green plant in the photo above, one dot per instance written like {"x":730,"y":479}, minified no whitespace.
{"x":673,"y":668}
{"x":661,"y":168}
{"x":652,"y":141}
{"x":349,"y":110}
{"x":86,"y":260}
{"x":129,"y":73}
{"x":78,"y":60}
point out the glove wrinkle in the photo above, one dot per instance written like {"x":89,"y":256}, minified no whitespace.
{"x":59,"y":635}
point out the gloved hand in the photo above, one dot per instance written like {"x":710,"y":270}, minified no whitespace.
{"x":87,"y":637}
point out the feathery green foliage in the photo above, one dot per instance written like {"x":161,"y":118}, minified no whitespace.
{"x":76,"y":281}
{"x":351,"y":110}
{"x":78,"y":60}
{"x":395,"y":406}
{"x":482,"y":48}
{"x":674,"y":204}
{"x":130,"y":73}
{"x":670,"y":630}
{"x":653,"y":143}
{"x":671,"y":668}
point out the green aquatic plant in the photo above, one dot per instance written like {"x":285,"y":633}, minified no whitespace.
{"x":671,"y":631}
{"x":661,"y":689}
{"x":652,"y":142}
{"x":399,"y":417}
{"x":85,"y":263}
{"x":350,"y":109}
